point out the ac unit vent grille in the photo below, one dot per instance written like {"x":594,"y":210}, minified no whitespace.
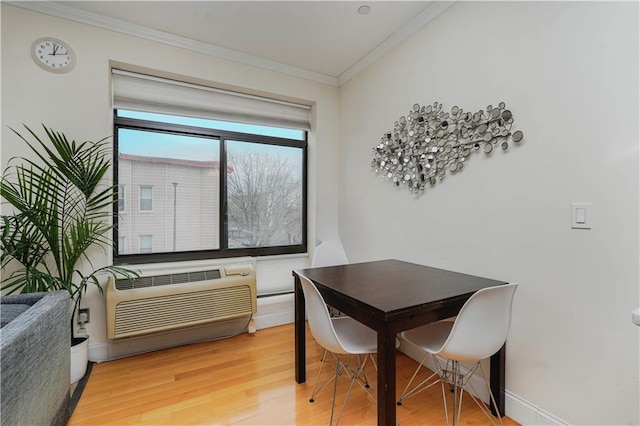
{"x":175,"y":311}
{"x":159,"y":280}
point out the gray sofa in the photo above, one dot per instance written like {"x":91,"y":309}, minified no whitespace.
{"x":35,"y":341}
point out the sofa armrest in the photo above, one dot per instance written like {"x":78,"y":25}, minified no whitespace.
{"x":35,"y":352}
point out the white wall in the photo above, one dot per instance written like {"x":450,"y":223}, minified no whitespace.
{"x":79,"y":104}
{"x":569,"y":73}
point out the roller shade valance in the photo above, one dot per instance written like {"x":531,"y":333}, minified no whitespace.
{"x":146,"y":93}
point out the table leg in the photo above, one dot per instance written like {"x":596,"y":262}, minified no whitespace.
{"x":497,"y":374}
{"x":299,"y":327}
{"x":386,"y":378}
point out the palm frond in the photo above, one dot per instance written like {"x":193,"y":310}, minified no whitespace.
{"x":61,"y":208}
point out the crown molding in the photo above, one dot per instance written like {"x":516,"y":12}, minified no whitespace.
{"x":427,"y":15}
{"x":71,"y":13}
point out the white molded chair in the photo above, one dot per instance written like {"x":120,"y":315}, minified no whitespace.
{"x":329,"y":253}
{"x":340,"y":336}
{"x":479,"y":331}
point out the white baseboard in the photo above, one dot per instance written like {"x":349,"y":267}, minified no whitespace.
{"x":274,"y":311}
{"x":98,"y":352}
{"x":527,"y":413}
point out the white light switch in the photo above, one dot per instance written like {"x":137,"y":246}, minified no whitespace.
{"x":580,"y":217}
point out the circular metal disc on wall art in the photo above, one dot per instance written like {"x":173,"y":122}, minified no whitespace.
{"x":517,"y":136}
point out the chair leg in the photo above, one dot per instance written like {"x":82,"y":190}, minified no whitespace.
{"x":406,"y":393}
{"x":335,"y":388}
{"x":359,"y":375}
{"x":444,"y":401}
{"x":450,"y":375}
{"x":356,"y":374}
{"x":454,"y":374}
{"x":341,"y":368}
{"x":365,"y":379}
{"x":461,"y":383}
{"x":491,"y":397}
{"x":315,"y":387}
{"x":481,"y":404}
{"x":373,"y":361}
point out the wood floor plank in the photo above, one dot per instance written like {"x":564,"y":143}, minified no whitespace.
{"x":243,"y":380}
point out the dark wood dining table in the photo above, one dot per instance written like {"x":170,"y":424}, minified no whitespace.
{"x":390,"y":296}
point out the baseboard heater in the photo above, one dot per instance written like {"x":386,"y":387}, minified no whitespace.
{"x":159,"y":303}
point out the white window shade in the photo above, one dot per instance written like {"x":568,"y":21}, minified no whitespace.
{"x":146,"y":93}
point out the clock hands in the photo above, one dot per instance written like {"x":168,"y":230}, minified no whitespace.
{"x":56,"y":47}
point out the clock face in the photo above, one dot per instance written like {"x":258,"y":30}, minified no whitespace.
{"x":53,"y":55}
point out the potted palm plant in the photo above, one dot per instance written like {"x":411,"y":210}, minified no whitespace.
{"x":60,"y":210}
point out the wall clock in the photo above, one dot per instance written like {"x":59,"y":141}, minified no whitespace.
{"x":53,"y":55}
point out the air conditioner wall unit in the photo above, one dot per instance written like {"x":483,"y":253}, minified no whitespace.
{"x":154,"y":304}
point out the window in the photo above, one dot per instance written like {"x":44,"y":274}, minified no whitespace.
{"x":121,"y":199}
{"x":145,"y":243}
{"x":146,"y":198}
{"x":216,"y":173}
{"x":211,"y":188}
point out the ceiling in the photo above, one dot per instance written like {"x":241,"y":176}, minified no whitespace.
{"x":328,"y":41}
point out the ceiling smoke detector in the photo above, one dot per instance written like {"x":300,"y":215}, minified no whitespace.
{"x":364,"y":9}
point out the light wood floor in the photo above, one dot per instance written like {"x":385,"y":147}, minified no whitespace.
{"x":244,"y":380}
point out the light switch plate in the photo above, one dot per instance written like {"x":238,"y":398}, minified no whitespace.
{"x":581,"y":215}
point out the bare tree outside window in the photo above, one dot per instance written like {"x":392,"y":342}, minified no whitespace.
{"x":264,"y":191}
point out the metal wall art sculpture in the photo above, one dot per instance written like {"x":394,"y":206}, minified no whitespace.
{"x":428,"y":142}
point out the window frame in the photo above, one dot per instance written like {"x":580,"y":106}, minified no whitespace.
{"x":222,"y":135}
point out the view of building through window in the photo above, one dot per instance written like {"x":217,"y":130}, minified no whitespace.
{"x":171,"y":195}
